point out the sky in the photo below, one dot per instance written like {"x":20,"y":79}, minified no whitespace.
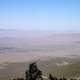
{"x":50,"y":15}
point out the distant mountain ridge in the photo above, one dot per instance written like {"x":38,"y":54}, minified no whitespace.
{"x":7,"y":29}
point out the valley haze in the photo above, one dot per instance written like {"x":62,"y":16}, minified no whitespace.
{"x":23,"y":45}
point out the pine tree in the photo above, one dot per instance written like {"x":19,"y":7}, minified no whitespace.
{"x":33,"y":73}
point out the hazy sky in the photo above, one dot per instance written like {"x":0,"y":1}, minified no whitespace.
{"x":55,"y":15}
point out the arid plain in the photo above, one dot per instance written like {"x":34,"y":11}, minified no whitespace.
{"x":48,"y":49}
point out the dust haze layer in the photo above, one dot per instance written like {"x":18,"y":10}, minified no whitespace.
{"x":22,"y":46}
